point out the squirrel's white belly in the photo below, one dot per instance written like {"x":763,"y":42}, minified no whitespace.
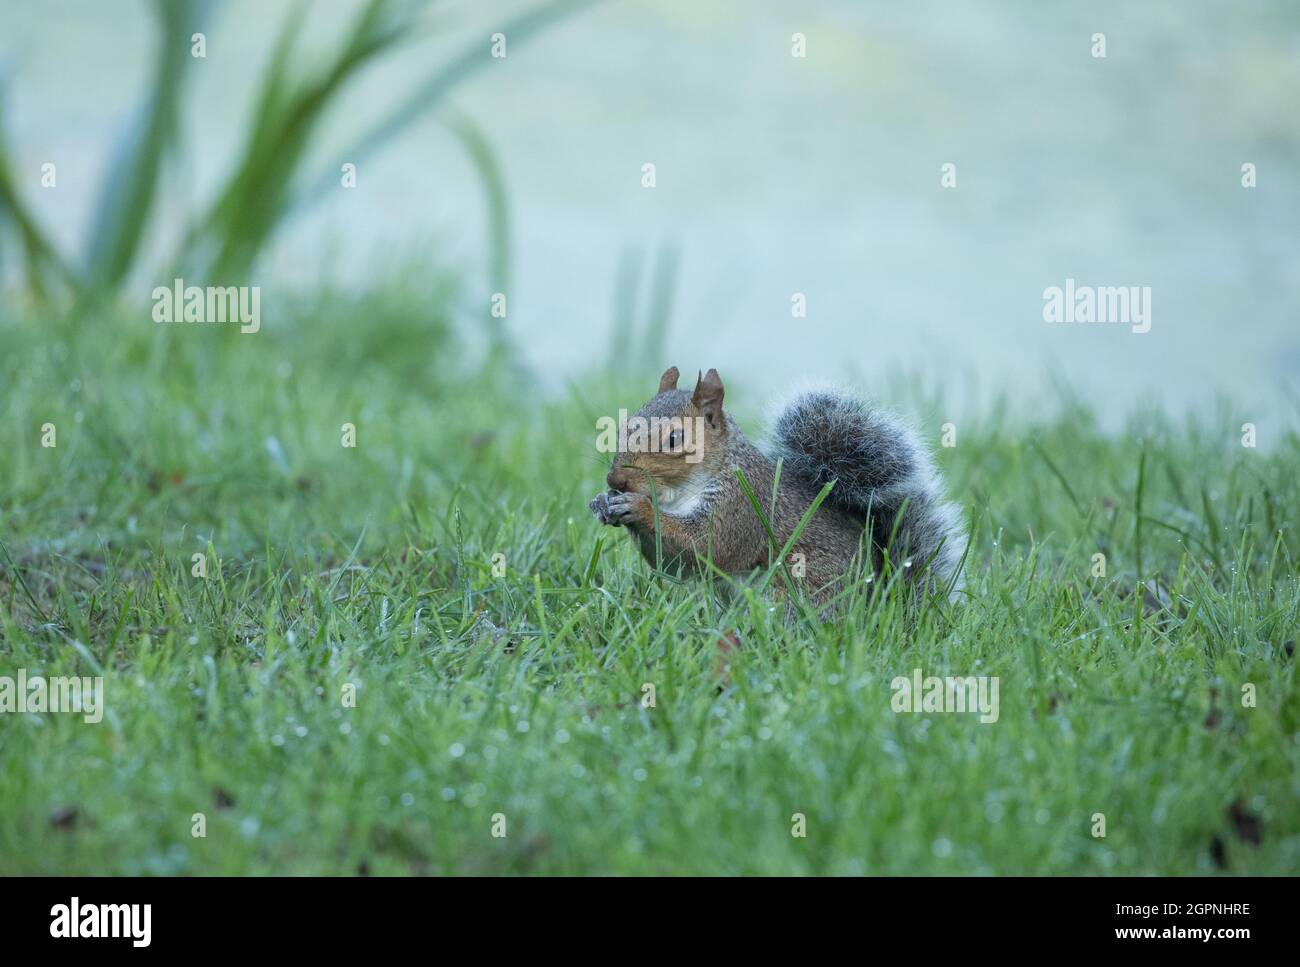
{"x":684,"y":501}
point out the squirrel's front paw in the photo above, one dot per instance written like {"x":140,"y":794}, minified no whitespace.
{"x":624,"y":510}
{"x":619,"y":509}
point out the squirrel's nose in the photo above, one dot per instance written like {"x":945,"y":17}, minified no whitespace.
{"x":617,"y":479}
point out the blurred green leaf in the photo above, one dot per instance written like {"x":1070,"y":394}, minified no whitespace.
{"x":255,"y":199}
{"x":40,"y":258}
{"x":440,"y":84}
{"x":131,"y":183}
{"x":258,"y":194}
{"x":498,"y":212}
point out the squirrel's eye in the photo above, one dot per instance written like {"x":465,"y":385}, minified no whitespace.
{"x":673,"y":440}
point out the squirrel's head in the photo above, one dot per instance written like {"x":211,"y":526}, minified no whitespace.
{"x":675,"y":436}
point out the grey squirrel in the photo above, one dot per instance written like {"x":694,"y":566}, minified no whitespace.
{"x":682,"y":452}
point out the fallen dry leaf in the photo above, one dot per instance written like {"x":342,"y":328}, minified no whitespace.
{"x":1246,"y":823}
{"x":727,"y":645}
{"x":64,"y":817}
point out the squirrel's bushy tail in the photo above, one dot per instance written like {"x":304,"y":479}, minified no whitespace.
{"x":880,"y":467}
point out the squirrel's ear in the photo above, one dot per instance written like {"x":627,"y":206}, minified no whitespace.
{"x":708,"y":397}
{"x":669,"y":379}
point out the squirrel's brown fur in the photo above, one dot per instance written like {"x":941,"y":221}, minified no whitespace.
{"x":885,"y":486}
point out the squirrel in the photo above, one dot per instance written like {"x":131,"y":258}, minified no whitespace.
{"x":681,"y":450}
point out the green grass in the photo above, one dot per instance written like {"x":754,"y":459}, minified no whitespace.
{"x":521,"y":694}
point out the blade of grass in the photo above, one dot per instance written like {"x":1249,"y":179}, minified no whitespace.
{"x":779,"y":563}
{"x":658,"y":318}
{"x":590,"y":572}
{"x":627,"y":280}
{"x":1056,"y":472}
{"x":1137,"y":512}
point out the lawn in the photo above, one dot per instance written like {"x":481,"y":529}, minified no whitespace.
{"x":422,"y":655}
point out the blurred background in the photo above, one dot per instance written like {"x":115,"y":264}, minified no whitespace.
{"x":775,"y":175}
